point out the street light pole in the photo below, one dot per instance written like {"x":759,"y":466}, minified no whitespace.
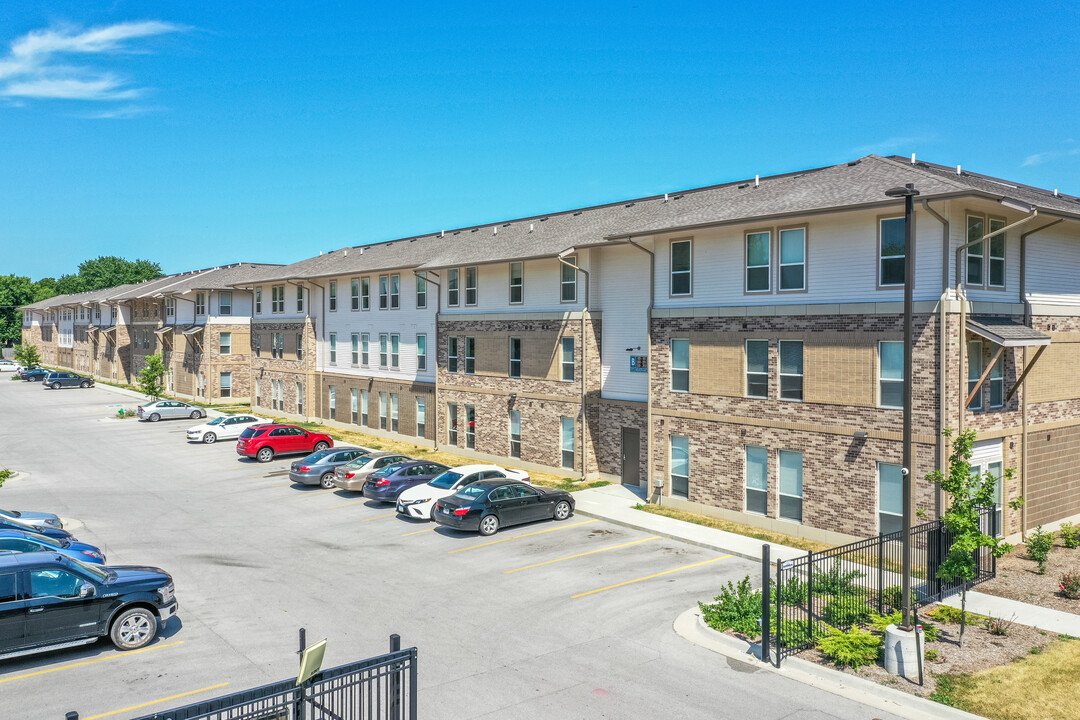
{"x":908,"y":192}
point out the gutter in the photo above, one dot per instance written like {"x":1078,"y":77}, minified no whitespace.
{"x":943,"y":356}
{"x":648,"y":375}
{"x":438,"y":311}
{"x":585,"y":318}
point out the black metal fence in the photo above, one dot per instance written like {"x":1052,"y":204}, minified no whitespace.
{"x":379,"y":688}
{"x":841,"y":586}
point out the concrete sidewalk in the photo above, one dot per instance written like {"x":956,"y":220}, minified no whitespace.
{"x":1023,"y":613}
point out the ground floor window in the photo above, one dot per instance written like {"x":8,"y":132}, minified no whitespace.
{"x":354,"y":405}
{"x":333,"y":403}
{"x":994,"y":468}
{"x":757,"y":480}
{"x":515,"y":434}
{"x":890,"y":498}
{"x":421,"y":419}
{"x":382,"y":411}
{"x":568,"y":442}
{"x":394,"y":412}
{"x":791,"y":485}
{"x":363,"y":407}
{"x":300,"y":398}
{"x":258,"y":391}
{"x":680,"y":465}
{"x":226,"y":384}
{"x":451,"y":423}
{"x":470,"y":427}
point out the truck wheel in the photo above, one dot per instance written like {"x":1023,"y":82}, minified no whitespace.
{"x":133,"y":629}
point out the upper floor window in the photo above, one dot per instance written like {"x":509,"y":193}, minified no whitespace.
{"x":225,"y":303}
{"x":356,"y":349}
{"x":258,"y":301}
{"x":470,"y":285}
{"x":996,"y":275}
{"x":452,"y":287}
{"x":421,"y":292}
{"x":395,"y":351}
{"x":758,"y":261}
{"x":568,"y":279}
{"x":793,"y":259}
{"x":333,"y":295}
{"x":567,"y":359}
{"x":170,"y":309}
{"x":681,"y":265}
{"x":299,"y":298}
{"x":451,"y":354}
{"x":421,"y":352}
{"x":891,"y":374}
{"x":975,"y":368}
{"x":256,"y":345}
{"x":200,"y":303}
{"x":299,"y":346}
{"x":975,"y":230}
{"x":757,"y":368}
{"x":384,"y":345}
{"x":365,"y":293}
{"x":515,"y":357}
{"x":395,"y":292}
{"x":355,"y":297}
{"x":333,"y":348}
{"x":365,"y":357}
{"x":470,"y":355}
{"x":225,"y":343}
{"x":277,"y":299}
{"x":985,"y":259}
{"x":997,"y":384}
{"x":680,"y":365}
{"x":791,"y":370}
{"x":517,"y":283}
{"x":892,"y":248}
{"x":384,"y":292}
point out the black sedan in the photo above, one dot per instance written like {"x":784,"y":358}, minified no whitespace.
{"x":385,"y":484}
{"x":487,"y":505}
{"x":34,"y":374}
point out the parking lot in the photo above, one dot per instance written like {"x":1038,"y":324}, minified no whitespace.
{"x":551,"y":619}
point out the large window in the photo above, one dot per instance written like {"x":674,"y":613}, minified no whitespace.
{"x":757,"y":368}
{"x":299,"y":398}
{"x":355,"y":349}
{"x":757,"y":480}
{"x":355,"y":297}
{"x":470,"y":285}
{"x":517,"y":283}
{"x":364,"y":407}
{"x":299,"y":298}
{"x":892,"y":244}
{"x":451,"y":423}
{"x":277,"y":299}
{"x":568,"y":279}
{"x":333,"y":295}
{"x":568,"y":442}
{"x":225,"y":303}
{"x":758,"y":261}
{"x":452,"y":287}
{"x":890,"y":498}
{"x":681,"y":267}
{"x":470,"y":355}
{"x":200,"y":304}
{"x":384,"y":292}
{"x":515,"y":357}
{"x":333,"y":348}
{"x":996,"y":260}
{"x":384,"y":344}
{"x":470,"y":427}
{"x":680,"y":365}
{"x":395,"y":351}
{"x":975,"y":368}
{"x":452,"y":354}
{"x":791,"y":485}
{"x":791,"y":370}
{"x":680,"y":465}
{"x":333,"y":402}
{"x":891,"y":374}
{"x":365,"y":293}
{"x":395,"y":292}
{"x":226,"y":384}
{"x":975,"y":230}
{"x":394,"y":412}
{"x":354,"y":405}
{"x":421,"y":417}
{"x":421,"y":352}
{"x":382,"y":411}
{"x":515,"y":434}
{"x":365,"y":347}
{"x":421,"y":291}
{"x":225,"y":343}
{"x":997,"y":383}
{"x":793,"y":259}
{"x":567,"y":359}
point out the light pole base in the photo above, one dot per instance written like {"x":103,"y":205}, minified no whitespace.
{"x":901,"y":653}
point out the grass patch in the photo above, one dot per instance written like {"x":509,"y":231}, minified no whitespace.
{"x":1037,"y":687}
{"x":731,"y":527}
{"x":439,"y":456}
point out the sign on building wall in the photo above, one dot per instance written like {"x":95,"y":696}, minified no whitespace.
{"x":639,"y":363}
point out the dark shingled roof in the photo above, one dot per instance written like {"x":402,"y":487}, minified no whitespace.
{"x":219,"y":278}
{"x":1005,"y":331}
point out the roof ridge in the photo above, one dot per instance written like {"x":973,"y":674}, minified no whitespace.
{"x":904,"y":163}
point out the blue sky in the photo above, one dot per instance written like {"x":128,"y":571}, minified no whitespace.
{"x":202,"y":133}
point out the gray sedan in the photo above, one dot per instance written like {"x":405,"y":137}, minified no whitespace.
{"x":353,"y":475}
{"x":169,"y":410}
{"x":318,"y":467}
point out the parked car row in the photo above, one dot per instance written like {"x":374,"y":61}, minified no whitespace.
{"x":55,"y":380}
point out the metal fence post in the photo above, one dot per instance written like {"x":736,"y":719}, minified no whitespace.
{"x":301,"y":693}
{"x":395,"y":680}
{"x":880,"y":574}
{"x":810,"y":595}
{"x":412,"y":686}
{"x":779,"y":614}
{"x":765,"y":607}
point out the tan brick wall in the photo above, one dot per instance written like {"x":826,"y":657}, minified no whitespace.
{"x":1053,"y":488}
{"x":614,"y":415}
{"x":717,"y":364}
{"x":406,"y":391}
{"x":841,"y":371}
{"x":1054,"y":377}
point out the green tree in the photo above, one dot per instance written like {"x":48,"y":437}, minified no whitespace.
{"x":151,"y":375}
{"x":27,"y":356}
{"x":109,"y":271}
{"x":15,"y":291}
{"x":967,"y":494}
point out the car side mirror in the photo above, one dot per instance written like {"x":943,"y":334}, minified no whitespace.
{"x":87,"y":590}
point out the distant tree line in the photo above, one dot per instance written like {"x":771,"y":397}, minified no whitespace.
{"x":96,"y":274}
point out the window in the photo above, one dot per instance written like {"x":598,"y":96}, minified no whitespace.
{"x":975,"y":225}
{"x":226,"y":384}
{"x":568,"y":279}
{"x":225,"y":303}
{"x":451,"y":423}
{"x":757,"y":368}
{"x":7,"y":588}
{"x":975,"y":368}
{"x":997,"y":383}
{"x":300,"y":398}
{"x":363,"y":407}
{"x":395,"y":351}
{"x":277,"y":299}
{"x":365,"y":293}
{"x":225,"y":343}
{"x":421,"y":417}
{"x":515,"y":434}
{"x":364,"y":355}
{"x":280,"y":344}
{"x":333,"y":296}
{"x":421,"y":352}
{"x":997,"y":256}
{"x":299,"y":299}
{"x":791,"y":479}
{"x":680,"y":366}
{"x":890,"y":498}
{"x":757,"y":480}
{"x":200,"y":303}
{"x":470,"y":355}
{"x":793,"y":259}
{"x":470,"y":285}
{"x":384,"y":292}
{"x":451,"y":354}
{"x":54,"y":583}
{"x":681,"y":263}
{"x":333,"y":348}
{"x":994,"y":469}
{"x":452,"y":287}
{"x":333,"y":402}
{"x":421,"y":292}
{"x":758,"y":261}
{"x":384,"y":341}
{"x":170,"y":309}
{"x":891,"y":374}
{"x":354,"y":405}
{"x":355,"y":298}
{"x":517,"y":283}
{"x":791,"y":370}
{"x":515,"y":357}
{"x":892,"y":243}
{"x":355,"y":349}
{"x":680,"y":465}
{"x":395,"y":292}
{"x":470,"y":427}
{"x":394,"y":412}
{"x":382,"y":411}
{"x":568,"y":442}
{"x":299,"y":346}
{"x":256,"y":344}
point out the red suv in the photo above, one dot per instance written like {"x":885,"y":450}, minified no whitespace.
{"x":263,"y":442}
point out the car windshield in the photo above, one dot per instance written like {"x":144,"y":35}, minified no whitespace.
{"x":388,"y":470}
{"x":11,"y":513}
{"x":250,"y":432}
{"x":216,"y":421}
{"x":93,"y":570}
{"x":360,"y":461}
{"x":317,"y":456}
{"x":472,"y":492}
{"x":46,"y":540}
{"x":446,"y":480}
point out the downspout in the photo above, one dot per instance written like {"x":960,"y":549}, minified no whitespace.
{"x":438,"y":311}
{"x":943,"y":355}
{"x":585,"y":319}
{"x":326,"y":311}
{"x":648,"y":368}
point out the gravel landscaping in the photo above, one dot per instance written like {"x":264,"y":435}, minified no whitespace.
{"x":1018,"y":579}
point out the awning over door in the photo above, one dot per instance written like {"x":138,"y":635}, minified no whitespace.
{"x":1006,"y":332}
{"x":163,"y":330}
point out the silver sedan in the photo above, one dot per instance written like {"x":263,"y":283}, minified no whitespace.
{"x":353,"y":475}
{"x":318,"y":467}
{"x":169,"y":410}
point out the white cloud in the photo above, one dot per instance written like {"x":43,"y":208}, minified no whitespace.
{"x":39,"y":64}
{"x":1040,"y":158}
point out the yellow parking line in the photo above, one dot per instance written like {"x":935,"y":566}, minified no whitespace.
{"x":159,"y":700}
{"x":515,"y":537}
{"x":417,"y":532}
{"x":648,"y":577}
{"x":90,"y":662}
{"x":591,"y":552}
{"x":354,"y":502}
{"x":379,"y":517}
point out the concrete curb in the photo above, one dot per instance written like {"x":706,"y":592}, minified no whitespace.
{"x":691,"y":627}
{"x":141,"y":397}
{"x":19,"y":475}
{"x":724,"y":548}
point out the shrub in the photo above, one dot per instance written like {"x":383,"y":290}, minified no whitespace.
{"x":881,"y":622}
{"x":1039,"y":544}
{"x":792,"y":592}
{"x":853,"y":648}
{"x":736,"y":608}
{"x":837,"y":581}
{"x":998,"y":626}
{"x":931,"y":654}
{"x":4,"y":475}
{"x":1070,"y":535}
{"x":794,"y":633}
{"x":950,"y":615}
{"x":892,"y":596}
{"x":1070,"y":585}
{"x":845,"y":611}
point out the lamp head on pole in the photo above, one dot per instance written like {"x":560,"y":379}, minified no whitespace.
{"x":906,"y":191}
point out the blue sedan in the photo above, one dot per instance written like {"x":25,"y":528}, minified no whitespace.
{"x":52,"y":532}
{"x":34,"y":374}
{"x":385,"y":484}
{"x":21,"y":541}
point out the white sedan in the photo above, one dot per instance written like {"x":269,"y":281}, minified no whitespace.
{"x":419,"y":502}
{"x":7,"y":365}
{"x":223,"y":428}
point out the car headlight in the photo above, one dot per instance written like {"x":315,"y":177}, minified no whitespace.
{"x":91,"y":553}
{"x":165,"y":593}
{"x":54,"y":522}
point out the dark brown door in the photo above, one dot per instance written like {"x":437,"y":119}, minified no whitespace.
{"x":631,"y":456}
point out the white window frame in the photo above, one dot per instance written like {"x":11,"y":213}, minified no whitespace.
{"x":393,"y":412}
{"x":354,"y":294}
{"x":365,"y":293}
{"x":882,"y":258}
{"x":395,"y":292}
{"x":364,"y":407}
{"x":382,"y":411}
{"x":299,"y":398}
{"x":421,"y":352}
{"x":780,"y":485}
{"x":995,"y":224}
{"x":674,"y":477}
{"x":996,"y":382}
{"x":977,"y":401}
{"x":570,"y":284}
{"x":452,"y":354}
{"x":567,"y":368}
{"x":395,"y":351}
{"x":421,"y":416}
{"x":781,"y":234}
{"x":453,"y":289}
{"x":746,"y":350}
{"x":971,"y":254}
{"x":514,"y":369}
{"x":333,"y":402}
{"x":225,"y":343}
{"x":355,"y":347}
{"x":679,"y":372}
{"x":891,"y":381}
{"x":672,"y":272}
{"x":519,"y":285}
{"x":365,"y":347}
{"x":200,"y":304}
{"x":354,"y":405}
{"x":452,"y":423}
{"x":748,"y":488}
{"x":384,"y":292}
{"x":470,"y":427}
{"x":802,"y":370}
{"x":899,"y":514}
{"x":384,"y":348}
{"x":472,"y":286}
{"x":333,"y":349}
{"x":333,"y":295}
{"x":225,"y":308}
{"x":421,"y":291}
{"x":515,"y":438}
{"x":170,"y":309}
{"x":747,"y":267}
{"x":299,"y":298}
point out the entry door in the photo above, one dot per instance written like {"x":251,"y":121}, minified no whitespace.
{"x":631,"y":456}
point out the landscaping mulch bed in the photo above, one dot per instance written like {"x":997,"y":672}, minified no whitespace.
{"x":1018,"y":579}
